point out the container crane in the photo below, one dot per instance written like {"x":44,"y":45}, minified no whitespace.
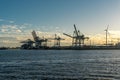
{"x":57,"y":40}
{"x":77,"y":38}
{"x":27,"y":44}
{"x":38,"y":41}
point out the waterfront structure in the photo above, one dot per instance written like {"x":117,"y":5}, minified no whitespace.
{"x":78,"y":38}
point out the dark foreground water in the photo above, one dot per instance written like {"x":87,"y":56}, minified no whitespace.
{"x":59,"y":65}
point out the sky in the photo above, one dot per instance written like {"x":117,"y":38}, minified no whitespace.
{"x":47,"y":17}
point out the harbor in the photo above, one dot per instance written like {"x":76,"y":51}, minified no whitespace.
{"x":77,"y":42}
{"x":59,"y":39}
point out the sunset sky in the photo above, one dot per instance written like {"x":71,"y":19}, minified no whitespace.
{"x":19,"y":17}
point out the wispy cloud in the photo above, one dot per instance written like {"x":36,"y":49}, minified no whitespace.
{"x":7,"y":21}
{"x":12,"y":34}
{"x":1,"y":19}
{"x":11,"y":21}
{"x":114,"y":33}
{"x":10,"y":29}
{"x":4,"y":30}
{"x":7,"y":41}
{"x":7,"y":38}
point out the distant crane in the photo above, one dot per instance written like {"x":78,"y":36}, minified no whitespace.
{"x":57,"y":40}
{"x":77,"y":38}
{"x":38,"y":41}
{"x":28,"y":44}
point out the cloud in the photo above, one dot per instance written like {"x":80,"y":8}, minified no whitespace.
{"x":7,"y":21}
{"x":10,"y":29}
{"x":1,"y":19}
{"x":114,"y":32}
{"x":4,"y":38}
{"x":18,"y":31}
{"x":4,"y":30}
{"x":11,"y":21}
{"x":26,"y":25}
{"x":7,"y":40}
{"x":22,"y":27}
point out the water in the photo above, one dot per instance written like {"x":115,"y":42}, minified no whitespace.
{"x":59,"y":65}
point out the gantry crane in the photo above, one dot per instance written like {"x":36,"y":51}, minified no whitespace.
{"x":28,"y":44}
{"x":57,"y":40}
{"x":77,"y":38}
{"x":39,"y":41}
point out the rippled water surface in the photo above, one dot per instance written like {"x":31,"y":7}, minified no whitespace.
{"x":60,"y":65}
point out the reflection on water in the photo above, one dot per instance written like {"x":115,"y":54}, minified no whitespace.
{"x":59,"y":65}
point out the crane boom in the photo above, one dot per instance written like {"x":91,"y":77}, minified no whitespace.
{"x":34,"y":34}
{"x":76,"y":30}
{"x":68,"y":35}
{"x":27,"y":41}
{"x":35,"y":37}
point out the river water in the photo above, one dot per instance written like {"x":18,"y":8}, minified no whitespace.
{"x":60,"y":65}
